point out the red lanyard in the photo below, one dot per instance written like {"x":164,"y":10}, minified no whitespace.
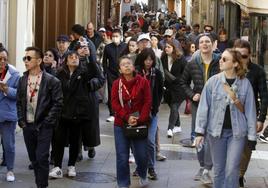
{"x":32,"y":91}
{"x":120,"y":92}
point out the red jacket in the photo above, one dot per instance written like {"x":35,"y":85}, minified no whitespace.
{"x":140,"y":96}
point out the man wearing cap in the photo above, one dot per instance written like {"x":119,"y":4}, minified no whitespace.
{"x":93,"y":35}
{"x":111,"y":55}
{"x":62,"y":47}
{"x":144,"y":41}
{"x":168,"y":36}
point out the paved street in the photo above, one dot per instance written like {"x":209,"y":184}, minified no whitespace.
{"x":176,"y":172}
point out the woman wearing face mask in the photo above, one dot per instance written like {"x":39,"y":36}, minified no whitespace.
{"x":131,"y":101}
{"x":78,"y":81}
{"x":227,"y":116}
{"x":173,"y":63}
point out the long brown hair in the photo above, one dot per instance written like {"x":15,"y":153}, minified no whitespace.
{"x":241,"y":69}
{"x":176,"y":53}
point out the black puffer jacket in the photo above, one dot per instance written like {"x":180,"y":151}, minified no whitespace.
{"x":194,"y":71}
{"x":79,"y":103}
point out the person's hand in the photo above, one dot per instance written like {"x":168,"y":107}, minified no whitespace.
{"x":196,"y":97}
{"x":259,"y":126}
{"x":231,"y":93}
{"x":198,"y":141}
{"x":252,"y":145}
{"x":54,"y":64}
{"x":3,"y":87}
{"x":132,"y":120}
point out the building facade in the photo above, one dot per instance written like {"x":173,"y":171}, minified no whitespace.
{"x":39,"y":22}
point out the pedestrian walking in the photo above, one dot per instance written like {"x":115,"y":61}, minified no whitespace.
{"x":39,"y":103}
{"x":204,"y":64}
{"x":9,"y":78}
{"x":173,"y":64}
{"x":227,"y":116}
{"x":131,"y":102}
{"x":257,"y":77}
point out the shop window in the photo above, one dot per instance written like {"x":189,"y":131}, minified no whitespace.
{"x":259,"y":40}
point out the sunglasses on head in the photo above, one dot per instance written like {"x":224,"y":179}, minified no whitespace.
{"x":28,"y":58}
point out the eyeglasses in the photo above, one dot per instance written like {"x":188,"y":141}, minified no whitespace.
{"x":208,"y":30}
{"x":49,"y":55}
{"x":244,"y":56}
{"x":3,"y":59}
{"x":28,"y":58}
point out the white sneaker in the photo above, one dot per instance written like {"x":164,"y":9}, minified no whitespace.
{"x":131,"y":158}
{"x":56,"y":172}
{"x":177,"y":130}
{"x":169,"y":133}
{"x":110,"y":119}
{"x":143,"y":182}
{"x":10,"y":176}
{"x":71,"y":171}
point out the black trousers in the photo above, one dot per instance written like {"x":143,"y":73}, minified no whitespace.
{"x":37,"y":144}
{"x":68,"y":130}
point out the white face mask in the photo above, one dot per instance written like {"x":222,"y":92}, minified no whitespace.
{"x":116,"y":40}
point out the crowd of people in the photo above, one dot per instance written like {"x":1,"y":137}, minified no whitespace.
{"x":133,"y":69}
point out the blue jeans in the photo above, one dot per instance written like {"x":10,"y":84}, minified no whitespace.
{"x":122,"y":146}
{"x":174,"y":116}
{"x":7,"y":130}
{"x":151,"y":142}
{"x":226,"y":156}
{"x":204,"y":155}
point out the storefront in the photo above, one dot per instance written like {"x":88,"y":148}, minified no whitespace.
{"x":249,"y":21}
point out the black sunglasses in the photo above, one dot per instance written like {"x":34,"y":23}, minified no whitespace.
{"x":244,"y":56}
{"x":208,"y":30}
{"x":28,"y":58}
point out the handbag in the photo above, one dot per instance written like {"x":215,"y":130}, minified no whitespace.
{"x":136,"y":132}
{"x":132,"y":132}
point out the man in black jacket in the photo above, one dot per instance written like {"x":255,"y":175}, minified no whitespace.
{"x":111,"y":55}
{"x":257,"y":77}
{"x":39,"y":103}
{"x":204,"y":64}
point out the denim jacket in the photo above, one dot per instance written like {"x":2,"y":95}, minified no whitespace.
{"x":8,"y":110}
{"x":212,"y":107}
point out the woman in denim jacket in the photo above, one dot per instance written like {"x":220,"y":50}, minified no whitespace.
{"x":227,"y":114}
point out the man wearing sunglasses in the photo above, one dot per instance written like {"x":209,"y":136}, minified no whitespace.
{"x":257,"y":77}
{"x":208,"y":28}
{"x":9,"y":78}
{"x":39,"y":103}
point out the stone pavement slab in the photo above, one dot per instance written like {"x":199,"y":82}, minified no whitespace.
{"x":176,"y":172}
